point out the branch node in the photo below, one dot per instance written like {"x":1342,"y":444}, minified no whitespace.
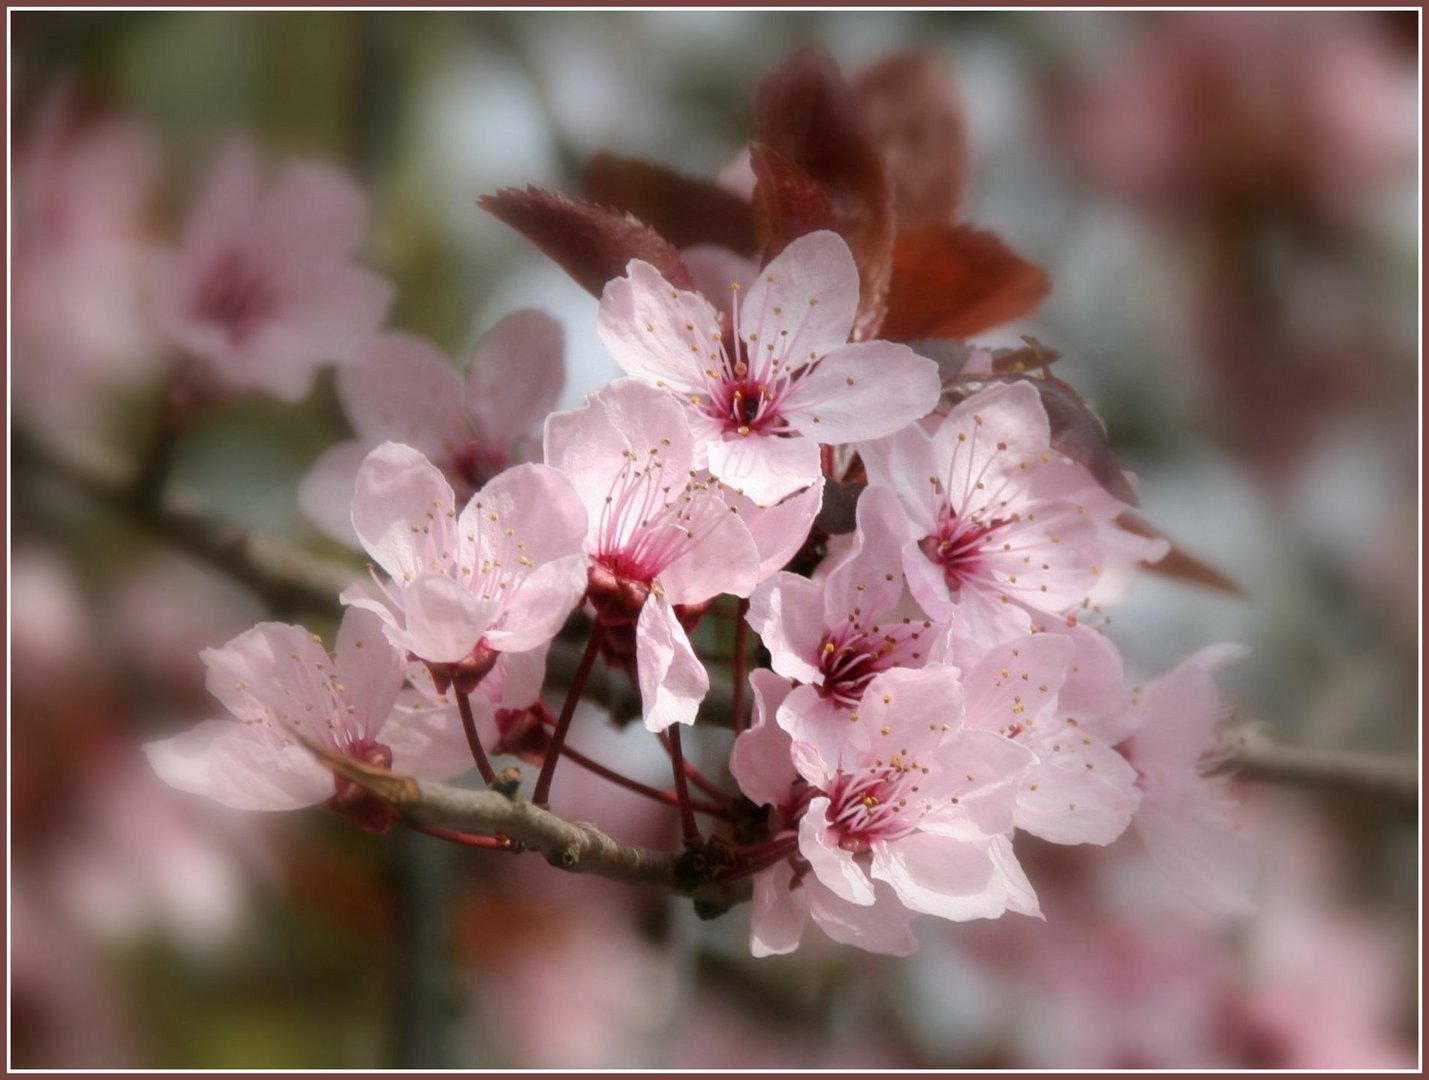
{"x":567,"y":857}
{"x":507,"y":782}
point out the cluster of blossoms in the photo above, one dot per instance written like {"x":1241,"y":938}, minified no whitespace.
{"x":920,"y":533}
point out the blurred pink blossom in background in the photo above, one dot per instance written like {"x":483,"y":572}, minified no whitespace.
{"x":263,"y":287}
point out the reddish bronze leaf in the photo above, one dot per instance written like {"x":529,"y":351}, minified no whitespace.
{"x":1178,"y":564}
{"x":1079,"y":433}
{"x":953,"y":281}
{"x":804,"y":111}
{"x":683,"y":209}
{"x":910,"y":103}
{"x":591,"y":243}
{"x":789,"y":203}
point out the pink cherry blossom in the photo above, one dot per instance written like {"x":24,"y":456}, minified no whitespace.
{"x":854,"y":621}
{"x":760,"y":401}
{"x":264,"y":288}
{"x":1061,"y":695}
{"x":786,"y":894}
{"x":899,"y":795}
{"x":281,"y":686}
{"x":998,"y":528}
{"x":79,"y":256}
{"x":402,"y":389}
{"x":781,"y":530}
{"x":659,"y":535}
{"x":1186,"y":818}
{"x":500,"y":576}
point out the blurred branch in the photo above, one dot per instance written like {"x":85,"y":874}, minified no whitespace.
{"x":284,"y":575}
{"x":1391,"y":780}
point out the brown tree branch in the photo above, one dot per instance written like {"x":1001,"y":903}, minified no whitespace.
{"x":577,"y":846}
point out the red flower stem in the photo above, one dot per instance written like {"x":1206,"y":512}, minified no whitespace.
{"x":490,"y":843}
{"x":669,"y":798}
{"x":699,"y":779}
{"x":541,"y":796}
{"x":761,"y":857}
{"x":764,"y":847}
{"x":741,"y":650}
{"x":468,"y":723}
{"x":688,"y":827}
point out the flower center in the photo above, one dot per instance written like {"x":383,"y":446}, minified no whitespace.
{"x":749,"y":378}
{"x":851,"y":656}
{"x":747,"y":406}
{"x":236,"y":296}
{"x":957,"y":547}
{"x":647,"y":520}
{"x":472,"y":467}
{"x":878,"y":802}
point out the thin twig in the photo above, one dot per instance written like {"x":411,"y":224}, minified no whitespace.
{"x":689,"y":830}
{"x":542,"y":793}
{"x":699,"y":779}
{"x":489,"y":843}
{"x":669,"y":798}
{"x":468,"y":725}
{"x":151,"y":475}
{"x":761,"y":857}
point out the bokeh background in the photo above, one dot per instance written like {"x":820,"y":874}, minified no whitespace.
{"x":1228,"y":208}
